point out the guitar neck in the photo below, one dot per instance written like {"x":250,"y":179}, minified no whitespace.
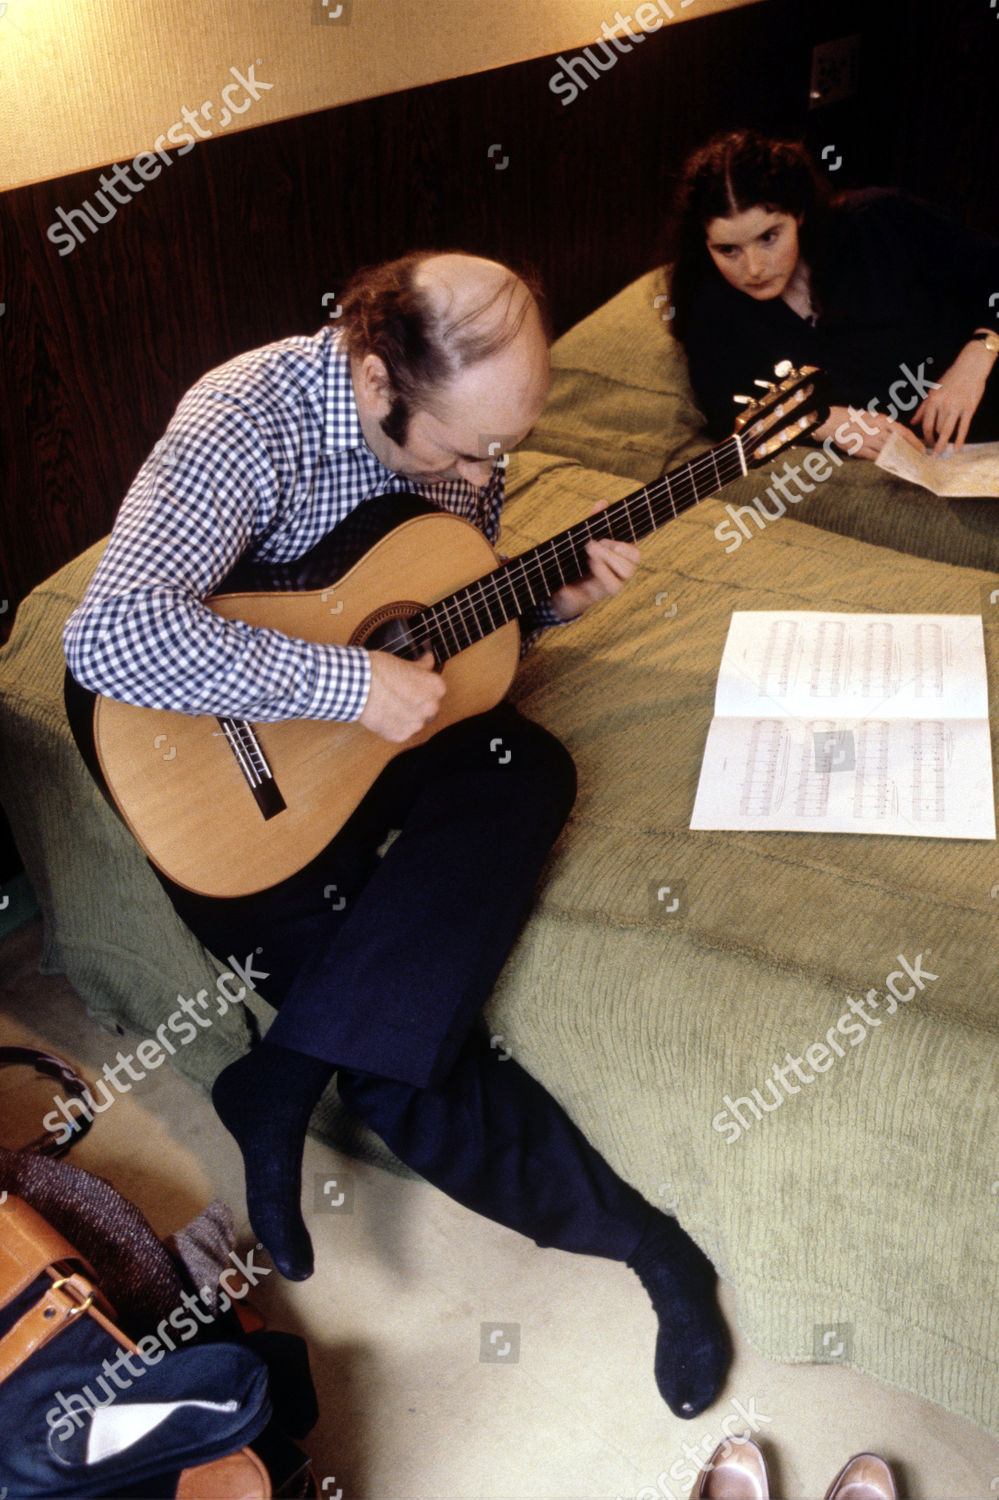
{"x":458,"y":621}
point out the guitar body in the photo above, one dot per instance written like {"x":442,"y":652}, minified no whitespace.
{"x":227,"y":808}
{"x":175,"y":779}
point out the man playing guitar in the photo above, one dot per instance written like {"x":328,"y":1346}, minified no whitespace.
{"x":382,"y":982}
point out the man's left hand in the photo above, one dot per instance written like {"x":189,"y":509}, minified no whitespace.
{"x":611,"y":565}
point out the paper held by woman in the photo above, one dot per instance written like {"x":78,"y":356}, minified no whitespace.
{"x":974,"y":472}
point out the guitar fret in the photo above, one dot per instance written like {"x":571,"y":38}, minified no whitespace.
{"x":558,"y":566}
{"x":468,"y":618}
{"x":505,"y":588}
{"x":443,"y":621}
{"x":484,"y":594}
{"x":683,"y":489}
{"x":522,"y":569}
{"x":459,"y":629}
{"x":466,"y":614}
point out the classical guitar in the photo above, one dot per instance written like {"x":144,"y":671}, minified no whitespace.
{"x":225,"y":807}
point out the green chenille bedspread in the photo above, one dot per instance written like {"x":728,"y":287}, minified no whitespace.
{"x":858,"y":1218}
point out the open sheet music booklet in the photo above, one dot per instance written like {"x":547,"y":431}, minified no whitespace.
{"x":850,"y":723}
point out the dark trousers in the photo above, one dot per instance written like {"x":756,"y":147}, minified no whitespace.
{"x":380,"y":964}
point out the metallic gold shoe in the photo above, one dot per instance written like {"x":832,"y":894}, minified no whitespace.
{"x":736,"y":1470}
{"x":864,"y":1477}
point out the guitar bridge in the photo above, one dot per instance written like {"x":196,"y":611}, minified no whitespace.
{"x":252,"y":762}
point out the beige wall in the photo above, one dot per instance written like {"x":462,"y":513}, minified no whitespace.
{"x":87,"y":82}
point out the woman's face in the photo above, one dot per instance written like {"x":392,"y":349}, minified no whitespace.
{"x":756,"y":251}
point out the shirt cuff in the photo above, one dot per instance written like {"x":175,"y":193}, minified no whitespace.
{"x":535,"y":621}
{"x":342,"y":683}
{"x":542,"y":615}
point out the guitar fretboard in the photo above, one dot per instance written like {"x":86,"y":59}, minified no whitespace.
{"x":458,"y":621}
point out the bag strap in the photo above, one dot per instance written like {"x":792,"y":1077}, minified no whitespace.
{"x":51,"y":1066}
{"x":28,"y":1246}
{"x":66,"y":1299}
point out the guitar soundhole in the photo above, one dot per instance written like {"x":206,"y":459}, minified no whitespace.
{"x":396,"y":635}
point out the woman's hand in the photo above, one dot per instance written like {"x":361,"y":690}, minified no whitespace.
{"x":849,"y":428}
{"x":947,"y":411}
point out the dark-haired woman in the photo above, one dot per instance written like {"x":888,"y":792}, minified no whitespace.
{"x":886,"y":294}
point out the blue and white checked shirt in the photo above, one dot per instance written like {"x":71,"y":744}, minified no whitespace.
{"x":264,"y":455}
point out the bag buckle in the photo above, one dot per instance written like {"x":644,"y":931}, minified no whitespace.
{"x":76,"y":1285}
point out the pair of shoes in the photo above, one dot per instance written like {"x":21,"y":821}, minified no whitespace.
{"x":737,"y":1470}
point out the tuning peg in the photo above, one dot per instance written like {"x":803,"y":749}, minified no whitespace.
{"x":743,"y":400}
{"x":767,"y":385}
{"x":783,"y":370}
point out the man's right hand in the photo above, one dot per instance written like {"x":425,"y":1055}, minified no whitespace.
{"x":404,"y":695}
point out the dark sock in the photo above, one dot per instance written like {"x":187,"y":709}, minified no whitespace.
{"x":692,"y":1350}
{"x":265,"y":1100}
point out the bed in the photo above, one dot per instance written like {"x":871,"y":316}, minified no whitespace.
{"x":856,"y":1221}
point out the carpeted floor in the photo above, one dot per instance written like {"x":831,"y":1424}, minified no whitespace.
{"x":408,"y":1290}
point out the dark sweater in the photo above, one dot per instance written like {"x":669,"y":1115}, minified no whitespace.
{"x":904,"y":285}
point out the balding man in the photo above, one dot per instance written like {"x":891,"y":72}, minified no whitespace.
{"x":434,"y":357}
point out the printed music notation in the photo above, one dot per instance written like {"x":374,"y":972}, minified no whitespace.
{"x":850,"y":723}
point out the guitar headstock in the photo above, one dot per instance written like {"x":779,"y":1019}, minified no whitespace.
{"x":792,"y":407}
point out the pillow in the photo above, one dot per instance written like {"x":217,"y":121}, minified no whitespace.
{"x":620,"y":399}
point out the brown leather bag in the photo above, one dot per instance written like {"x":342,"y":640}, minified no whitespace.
{"x":30,"y":1247}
